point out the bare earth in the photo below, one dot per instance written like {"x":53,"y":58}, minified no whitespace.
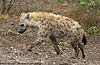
{"x":13,"y":49}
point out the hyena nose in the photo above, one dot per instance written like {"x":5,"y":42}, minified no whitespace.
{"x":21,"y":29}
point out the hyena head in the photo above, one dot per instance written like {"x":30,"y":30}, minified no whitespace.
{"x":26,"y":21}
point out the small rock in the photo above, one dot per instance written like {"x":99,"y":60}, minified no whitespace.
{"x":54,"y":63}
{"x":42,"y":61}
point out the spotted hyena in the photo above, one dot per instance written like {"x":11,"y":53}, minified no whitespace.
{"x":53,"y":27}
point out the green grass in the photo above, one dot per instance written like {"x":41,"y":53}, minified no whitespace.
{"x":57,"y":2}
{"x":3,"y":17}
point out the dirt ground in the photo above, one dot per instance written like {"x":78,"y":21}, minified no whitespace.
{"x":13,"y":49}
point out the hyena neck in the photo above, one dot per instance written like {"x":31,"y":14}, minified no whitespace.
{"x":38,"y":25}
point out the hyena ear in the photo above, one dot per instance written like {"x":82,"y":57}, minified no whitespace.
{"x":22,"y":13}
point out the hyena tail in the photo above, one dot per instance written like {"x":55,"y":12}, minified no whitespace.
{"x":84,"y":39}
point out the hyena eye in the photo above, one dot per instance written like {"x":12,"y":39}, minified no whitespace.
{"x":22,"y":25}
{"x":27,"y":16}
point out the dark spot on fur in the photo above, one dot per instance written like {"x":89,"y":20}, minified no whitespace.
{"x":77,"y":28}
{"x":53,"y":26}
{"x":66,"y":30}
{"x":64,"y":25}
{"x":68,"y":25}
{"x":43,"y":23}
{"x":40,"y":33}
{"x":47,"y":22}
{"x":51,"y":29}
{"x":46,"y":28}
{"x":61,"y":32}
{"x":62,"y":22}
{"x":46,"y":35}
{"x":73,"y":24}
{"x":58,"y":27}
{"x":50,"y":23}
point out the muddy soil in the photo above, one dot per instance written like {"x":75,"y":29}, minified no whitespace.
{"x":13,"y":49}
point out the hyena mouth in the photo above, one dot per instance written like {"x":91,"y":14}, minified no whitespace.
{"x":21,"y":29}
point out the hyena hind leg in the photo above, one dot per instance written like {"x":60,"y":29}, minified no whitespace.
{"x":76,"y":49}
{"x":82,"y":50}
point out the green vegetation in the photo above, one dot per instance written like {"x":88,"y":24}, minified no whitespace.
{"x":93,"y":30}
{"x":3,"y":17}
{"x":93,"y":9}
{"x":56,"y":2}
{"x":90,"y":3}
{"x":92,"y":6}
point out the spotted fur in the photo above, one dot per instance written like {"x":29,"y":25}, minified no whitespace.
{"x":53,"y":27}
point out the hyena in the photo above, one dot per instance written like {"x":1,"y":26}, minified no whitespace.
{"x":54,"y":27}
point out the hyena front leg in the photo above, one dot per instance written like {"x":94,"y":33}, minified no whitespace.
{"x":55,"y":44}
{"x":35,"y":43}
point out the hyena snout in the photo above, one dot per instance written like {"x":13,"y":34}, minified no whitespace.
{"x":21,"y":28}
